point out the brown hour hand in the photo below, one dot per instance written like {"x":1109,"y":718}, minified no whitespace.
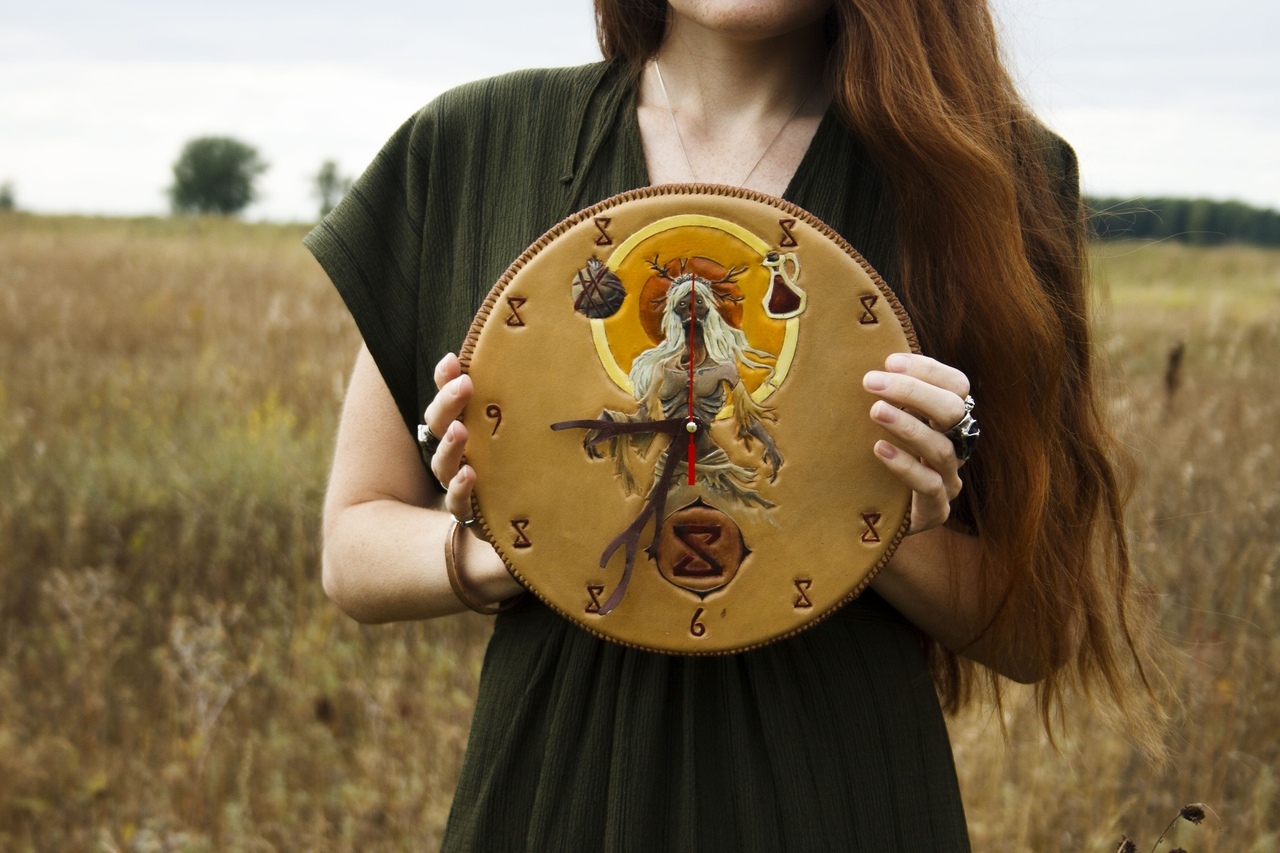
{"x":607,"y":430}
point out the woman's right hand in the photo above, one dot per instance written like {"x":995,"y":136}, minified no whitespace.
{"x":454,"y":391}
{"x":385,"y":532}
{"x":488,"y":575}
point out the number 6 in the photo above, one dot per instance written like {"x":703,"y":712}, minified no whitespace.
{"x":696,"y":628}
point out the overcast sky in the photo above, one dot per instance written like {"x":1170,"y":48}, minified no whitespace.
{"x":96,"y":98}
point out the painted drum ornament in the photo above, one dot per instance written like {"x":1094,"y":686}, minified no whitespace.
{"x":597,"y":291}
{"x":672,"y":444}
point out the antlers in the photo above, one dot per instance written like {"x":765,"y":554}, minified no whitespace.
{"x":660,"y":270}
{"x":730,"y":277}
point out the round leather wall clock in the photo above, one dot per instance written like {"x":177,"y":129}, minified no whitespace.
{"x":669,"y":431}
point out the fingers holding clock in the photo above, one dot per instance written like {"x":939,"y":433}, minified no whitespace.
{"x":457,"y":479}
{"x":930,"y":504}
{"x":457,"y":500}
{"x":453,"y":394}
{"x":441,"y":417}
{"x":929,"y":370}
{"x":919,"y":452}
{"x":447,"y":460}
{"x":928,"y":449}
{"x":923,"y":385}
{"x":922,"y":441}
{"x":455,"y":390}
{"x":447,"y":369}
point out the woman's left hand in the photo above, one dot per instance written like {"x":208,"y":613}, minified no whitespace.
{"x":921,"y":454}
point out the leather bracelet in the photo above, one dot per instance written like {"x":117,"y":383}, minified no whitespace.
{"x":451,"y":569}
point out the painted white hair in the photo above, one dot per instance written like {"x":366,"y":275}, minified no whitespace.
{"x":724,"y":343}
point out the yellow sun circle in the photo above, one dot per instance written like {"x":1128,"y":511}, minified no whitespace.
{"x":622,"y":337}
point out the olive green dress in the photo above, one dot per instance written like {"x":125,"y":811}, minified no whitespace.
{"x":830,"y":740}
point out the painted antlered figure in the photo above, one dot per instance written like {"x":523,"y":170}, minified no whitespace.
{"x":668,"y":380}
{"x":661,"y":378}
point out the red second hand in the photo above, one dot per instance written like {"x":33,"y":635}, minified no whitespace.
{"x":692,"y":426}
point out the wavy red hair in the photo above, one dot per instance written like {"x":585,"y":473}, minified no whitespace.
{"x":992,"y":256}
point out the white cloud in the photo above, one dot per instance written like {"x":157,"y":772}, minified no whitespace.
{"x":1178,"y":152}
{"x":1174,"y":99}
{"x":97,"y":96}
{"x":101,"y":137}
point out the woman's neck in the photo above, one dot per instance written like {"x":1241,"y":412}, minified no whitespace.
{"x":733,"y":99}
{"x":720,"y":79}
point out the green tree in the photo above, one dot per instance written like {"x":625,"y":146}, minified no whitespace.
{"x":330,"y":186}
{"x":1199,"y":222}
{"x":7,"y":200}
{"x":215,"y":174}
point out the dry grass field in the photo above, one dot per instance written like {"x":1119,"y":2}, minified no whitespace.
{"x":172,"y":678}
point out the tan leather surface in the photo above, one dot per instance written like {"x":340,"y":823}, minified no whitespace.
{"x":550,"y":510}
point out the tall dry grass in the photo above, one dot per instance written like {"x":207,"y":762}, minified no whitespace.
{"x":171,"y":676}
{"x":1205,"y":525}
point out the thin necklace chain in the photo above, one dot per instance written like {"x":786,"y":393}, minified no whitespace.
{"x":679,"y":138}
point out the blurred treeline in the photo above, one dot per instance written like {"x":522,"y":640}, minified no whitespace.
{"x":1197,"y":222}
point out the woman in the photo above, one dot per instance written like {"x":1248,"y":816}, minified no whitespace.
{"x":894,"y":122}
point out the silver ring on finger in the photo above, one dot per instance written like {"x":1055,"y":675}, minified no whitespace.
{"x":428,"y":444}
{"x":964,"y":435}
{"x":467,"y":522}
{"x":428,"y":441}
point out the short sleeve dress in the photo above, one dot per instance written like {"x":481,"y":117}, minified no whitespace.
{"x":830,"y":740}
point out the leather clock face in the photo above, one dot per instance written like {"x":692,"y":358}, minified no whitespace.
{"x":672,"y":445}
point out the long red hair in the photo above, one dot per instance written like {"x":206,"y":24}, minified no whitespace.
{"x":992,"y":265}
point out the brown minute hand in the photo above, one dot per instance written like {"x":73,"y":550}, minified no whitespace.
{"x":654,"y":507}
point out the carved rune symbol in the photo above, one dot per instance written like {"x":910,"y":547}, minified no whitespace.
{"x":871,"y":534}
{"x":515,"y":303}
{"x":522,"y":538}
{"x":595,"y":590}
{"x":788,"y":240}
{"x":802,"y":601}
{"x":868,"y":317}
{"x":701,"y":562}
{"x":602,"y":222}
